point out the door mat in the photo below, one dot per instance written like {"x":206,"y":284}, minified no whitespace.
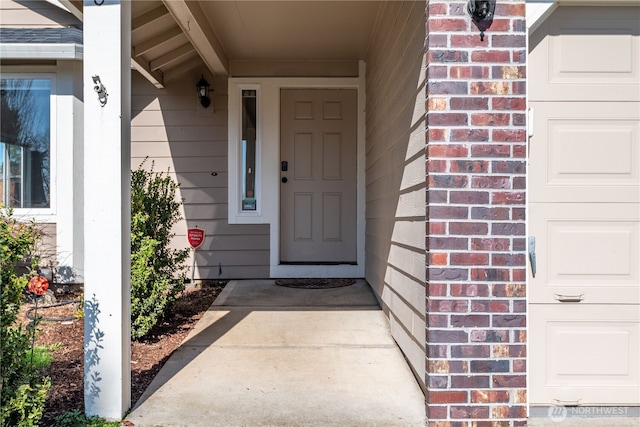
{"x":315,"y":283}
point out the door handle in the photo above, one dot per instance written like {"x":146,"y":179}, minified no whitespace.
{"x":569,"y":298}
{"x":532,"y":255}
{"x":568,"y":403}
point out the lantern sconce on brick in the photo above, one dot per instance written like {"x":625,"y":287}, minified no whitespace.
{"x":481,"y":12}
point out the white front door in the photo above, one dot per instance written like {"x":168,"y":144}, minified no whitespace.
{"x":584,"y":207}
{"x":318,"y":148}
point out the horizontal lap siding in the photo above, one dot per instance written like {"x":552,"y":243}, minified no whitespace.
{"x":395,"y":174}
{"x":170,"y":128}
{"x":46,"y":247}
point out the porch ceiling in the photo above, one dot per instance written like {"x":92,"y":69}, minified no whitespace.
{"x":172,"y":37}
{"x":292,"y":30}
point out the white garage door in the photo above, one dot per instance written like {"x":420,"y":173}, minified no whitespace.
{"x":584,"y":207}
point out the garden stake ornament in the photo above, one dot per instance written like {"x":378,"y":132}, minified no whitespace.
{"x":195,"y":237}
{"x":38,"y":286}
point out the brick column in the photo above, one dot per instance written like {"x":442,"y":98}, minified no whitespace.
{"x":476,"y":145}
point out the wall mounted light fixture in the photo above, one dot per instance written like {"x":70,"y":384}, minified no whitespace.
{"x":203,"y":92}
{"x":481,"y":12}
{"x":100,"y":90}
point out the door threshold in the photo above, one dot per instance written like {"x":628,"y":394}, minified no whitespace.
{"x":318,"y":263}
{"x":283,"y":271}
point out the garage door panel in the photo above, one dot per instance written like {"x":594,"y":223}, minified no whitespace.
{"x":584,"y":206}
{"x":574,"y":53}
{"x":587,"y":251}
{"x":589,"y":361}
{"x":585,"y":152}
{"x":590,"y":55}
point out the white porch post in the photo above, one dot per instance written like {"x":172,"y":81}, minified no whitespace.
{"x":107,"y":222}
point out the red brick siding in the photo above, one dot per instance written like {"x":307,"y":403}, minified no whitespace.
{"x":476,"y":146}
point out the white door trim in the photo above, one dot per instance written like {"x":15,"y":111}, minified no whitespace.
{"x":537,"y":11}
{"x":269,"y":135}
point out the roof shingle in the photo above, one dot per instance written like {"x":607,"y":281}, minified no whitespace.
{"x":41,"y":35}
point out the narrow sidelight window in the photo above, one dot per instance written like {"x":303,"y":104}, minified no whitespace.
{"x":249,"y":150}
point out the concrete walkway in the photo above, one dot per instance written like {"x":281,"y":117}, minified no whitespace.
{"x":265,"y":355}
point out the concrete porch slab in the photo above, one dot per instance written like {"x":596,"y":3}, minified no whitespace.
{"x":264,"y":355}
{"x":249,"y":327}
{"x":261,"y":386}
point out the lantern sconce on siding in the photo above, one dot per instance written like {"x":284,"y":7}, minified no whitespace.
{"x":203,"y":92}
{"x":481,"y":12}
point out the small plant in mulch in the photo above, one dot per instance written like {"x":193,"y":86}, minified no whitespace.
{"x":41,"y":356}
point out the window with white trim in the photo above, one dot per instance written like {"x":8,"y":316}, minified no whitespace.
{"x":25,"y":142}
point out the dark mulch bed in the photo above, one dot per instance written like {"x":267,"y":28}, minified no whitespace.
{"x":147,"y":355}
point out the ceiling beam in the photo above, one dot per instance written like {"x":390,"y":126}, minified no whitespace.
{"x":73,"y":6}
{"x":155,"y":77}
{"x":193,"y":22}
{"x":165,"y":37}
{"x":171,"y":57}
{"x":148,"y":18}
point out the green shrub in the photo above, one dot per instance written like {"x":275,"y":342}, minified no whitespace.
{"x":17,"y":241}
{"x":157,"y":271}
{"x":78,"y":419}
{"x":79,"y":314}
{"x":23,"y":392}
{"x":26,"y":406}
